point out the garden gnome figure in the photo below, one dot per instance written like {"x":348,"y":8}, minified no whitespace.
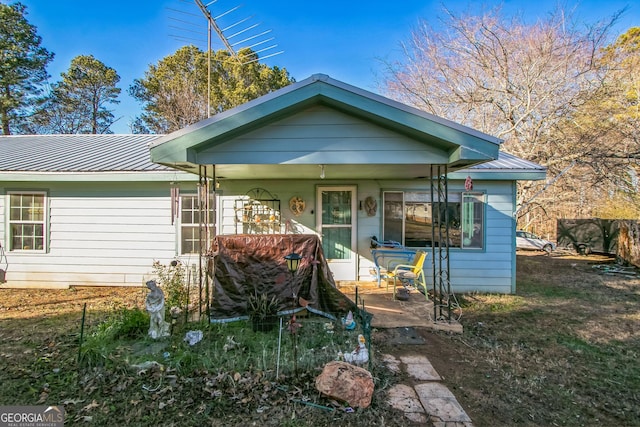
{"x":155,"y":306}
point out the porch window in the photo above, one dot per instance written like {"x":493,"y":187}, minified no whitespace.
{"x":190,"y":223}
{"x":408,"y":218}
{"x":27,"y":221}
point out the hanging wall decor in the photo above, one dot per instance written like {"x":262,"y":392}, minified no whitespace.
{"x":468,"y":183}
{"x":175,"y":202}
{"x":258,"y":212}
{"x":370,"y":206}
{"x":296,"y":205}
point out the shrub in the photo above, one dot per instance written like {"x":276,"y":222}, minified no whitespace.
{"x":172,"y":280}
{"x":123,"y":323}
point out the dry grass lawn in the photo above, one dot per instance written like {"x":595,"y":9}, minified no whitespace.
{"x":562,"y":351}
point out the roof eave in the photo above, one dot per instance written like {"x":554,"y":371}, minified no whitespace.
{"x":500,"y":174}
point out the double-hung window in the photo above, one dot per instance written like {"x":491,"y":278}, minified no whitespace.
{"x":413,"y":219}
{"x":190,"y":226}
{"x":27,"y":221}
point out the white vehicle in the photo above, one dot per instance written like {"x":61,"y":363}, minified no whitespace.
{"x":529,"y":241}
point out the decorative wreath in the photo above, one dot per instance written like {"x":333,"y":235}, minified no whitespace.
{"x":296,"y":205}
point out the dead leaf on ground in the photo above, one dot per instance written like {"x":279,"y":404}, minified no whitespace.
{"x":90,"y":406}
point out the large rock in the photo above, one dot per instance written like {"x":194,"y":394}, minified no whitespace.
{"x":345,"y":382}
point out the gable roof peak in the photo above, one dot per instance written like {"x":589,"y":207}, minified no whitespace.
{"x":319,"y":77}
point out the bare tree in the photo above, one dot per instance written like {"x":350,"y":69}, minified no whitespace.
{"x":520,"y":82}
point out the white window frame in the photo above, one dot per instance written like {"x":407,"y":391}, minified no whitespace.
{"x":11,"y":247}
{"x":182,"y":225}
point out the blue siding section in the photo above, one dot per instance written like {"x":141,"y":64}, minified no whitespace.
{"x":489,"y":270}
{"x":322,"y":135}
{"x":110,"y":234}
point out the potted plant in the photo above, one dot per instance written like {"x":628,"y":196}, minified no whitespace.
{"x":263,"y":311}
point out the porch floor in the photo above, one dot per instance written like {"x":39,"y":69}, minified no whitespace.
{"x":390,"y":313}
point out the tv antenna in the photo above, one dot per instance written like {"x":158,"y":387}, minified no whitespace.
{"x":235,"y":35}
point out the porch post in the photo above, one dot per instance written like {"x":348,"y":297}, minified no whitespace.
{"x":440,"y":244}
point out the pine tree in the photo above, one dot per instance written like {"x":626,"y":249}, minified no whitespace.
{"x":23,"y":64}
{"x":78,"y":103}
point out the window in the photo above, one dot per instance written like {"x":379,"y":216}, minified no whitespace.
{"x":409,"y":218}
{"x":190,"y":223}
{"x":27,"y":225}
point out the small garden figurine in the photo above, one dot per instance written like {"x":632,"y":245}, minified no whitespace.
{"x":154,"y":304}
{"x":348,"y":322}
{"x":359,"y":356}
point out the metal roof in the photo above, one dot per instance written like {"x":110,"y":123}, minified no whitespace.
{"x":130,"y":153}
{"x":506,"y":161}
{"x":77,"y":153}
{"x":505,"y":168}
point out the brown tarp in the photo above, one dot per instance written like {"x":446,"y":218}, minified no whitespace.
{"x":249,"y":263}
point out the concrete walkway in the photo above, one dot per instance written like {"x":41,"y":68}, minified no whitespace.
{"x":428,"y":401}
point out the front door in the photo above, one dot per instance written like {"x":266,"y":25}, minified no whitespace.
{"x":336,"y":224}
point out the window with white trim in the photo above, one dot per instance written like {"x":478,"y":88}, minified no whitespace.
{"x":408,"y":218}
{"x":27,"y":221}
{"x":190,"y":223}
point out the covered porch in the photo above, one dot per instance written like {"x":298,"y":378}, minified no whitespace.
{"x":330,"y":147}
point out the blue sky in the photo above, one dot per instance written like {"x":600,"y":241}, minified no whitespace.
{"x":345,"y":39}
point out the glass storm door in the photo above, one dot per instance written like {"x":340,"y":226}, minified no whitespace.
{"x":336,"y":224}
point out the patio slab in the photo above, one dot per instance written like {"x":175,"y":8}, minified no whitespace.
{"x":390,"y":313}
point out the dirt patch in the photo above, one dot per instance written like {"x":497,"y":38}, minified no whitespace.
{"x":39,"y":315}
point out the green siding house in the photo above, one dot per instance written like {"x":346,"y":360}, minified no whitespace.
{"x":316,"y":157}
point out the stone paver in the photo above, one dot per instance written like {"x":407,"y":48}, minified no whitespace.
{"x":446,"y":410}
{"x":416,"y":417}
{"x":433,"y":390}
{"x":429,"y":398}
{"x":404,"y":398}
{"x":420,"y":368}
{"x":440,"y":403}
{"x":392,"y":363}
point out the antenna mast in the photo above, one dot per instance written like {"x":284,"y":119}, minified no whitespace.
{"x":213,"y":24}
{"x":223,"y":24}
